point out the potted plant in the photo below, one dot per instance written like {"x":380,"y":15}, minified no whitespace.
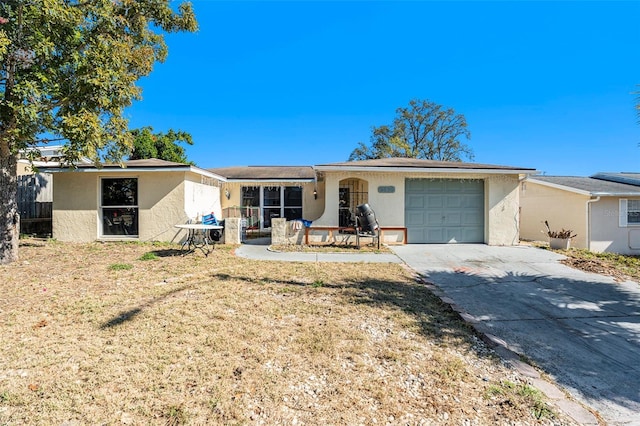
{"x":559,"y":240}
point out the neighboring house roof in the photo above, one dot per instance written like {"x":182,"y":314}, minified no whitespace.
{"x":588,"y":186}
{"x":418,"y":165}
{"x":50,"y":155}
{"x":625,"y":177}
{"x":267,"y":173}
{"x":151,"y":164}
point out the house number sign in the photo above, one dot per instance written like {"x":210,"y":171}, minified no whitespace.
{"x":386,"y":189}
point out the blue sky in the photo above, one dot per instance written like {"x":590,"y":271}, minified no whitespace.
{"x":542,"y":84}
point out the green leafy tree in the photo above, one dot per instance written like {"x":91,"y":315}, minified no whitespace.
{"x":164,"y":146}
{"x":68,"y":69}
{"x":422,"y":130}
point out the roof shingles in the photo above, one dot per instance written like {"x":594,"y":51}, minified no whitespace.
{"x":591,"y":185}
{"x":422,"y":164}
{"x":266,"y":172}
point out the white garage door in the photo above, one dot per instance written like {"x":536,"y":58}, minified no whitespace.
{"x":444,"y":210}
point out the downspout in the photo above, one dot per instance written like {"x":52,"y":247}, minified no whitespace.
{"x":588,"y":208}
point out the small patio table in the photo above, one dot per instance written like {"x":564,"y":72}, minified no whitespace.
{"x":197,"y":238}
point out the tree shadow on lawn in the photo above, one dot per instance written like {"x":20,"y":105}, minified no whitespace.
{"x":170,"y":252}
{"x":23,"y":243}
{"x":130,"y":314}
{"x":436,"y":319}
{"x":586,"y":334}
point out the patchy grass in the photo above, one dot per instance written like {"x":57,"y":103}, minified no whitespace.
{"x":510,"y":393}
{"x":223,"y":340}
{"x":120,"y":267}
{"x":619,"y":266}
{"x":149,"y":256}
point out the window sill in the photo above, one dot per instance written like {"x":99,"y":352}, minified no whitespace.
{"x":118,"y":238}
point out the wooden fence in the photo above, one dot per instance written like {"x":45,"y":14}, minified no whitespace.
{"x":35,"y":204}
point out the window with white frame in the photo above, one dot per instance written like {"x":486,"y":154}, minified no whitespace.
{"x":273,"y":202}
{"x":629,"y":212}
{"x":119,"y":207}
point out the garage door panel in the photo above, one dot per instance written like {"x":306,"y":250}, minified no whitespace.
{"x":415,"y":219}
{"x":453,"y":219}
{"x":471,"y":220}
{"x":444,"y":210}
{"x":454,"y":201}
{"x":473,"y":235}
{"x":452,"y":235}
{"x":434,"y":186}
{"x":436,"y":201}
{"x":435,"y":234}
{"x":416,"y":234}
{"x":415,"y":185}
{"x":434,"y":219}
{"x":472,"y":201}
{"x":415,"y":201}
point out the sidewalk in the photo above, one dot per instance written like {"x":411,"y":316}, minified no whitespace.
{"x":262,"y":252}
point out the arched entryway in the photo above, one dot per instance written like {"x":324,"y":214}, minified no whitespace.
{"x":352,"y":192}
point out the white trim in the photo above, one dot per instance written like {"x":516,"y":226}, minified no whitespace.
{"x":112,"y":169}
{"x":622,"y":213}
{"x":616,"y":194}
{"x":588,"y":211}
{"x":394,"y":169}
{"x":257,"y":182}
{"x":623,"y":221}
{"x":101,"y":207}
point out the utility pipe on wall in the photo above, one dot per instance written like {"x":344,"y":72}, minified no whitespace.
{"x":588,"y":208}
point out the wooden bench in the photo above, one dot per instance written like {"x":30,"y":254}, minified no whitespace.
{"x":346,"y":231}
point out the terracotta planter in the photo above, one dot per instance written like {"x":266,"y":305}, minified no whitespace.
{"x":560,"y":243}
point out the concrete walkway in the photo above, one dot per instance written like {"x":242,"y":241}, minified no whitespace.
{"x":263,"y":252}
{"x":582,"y":329}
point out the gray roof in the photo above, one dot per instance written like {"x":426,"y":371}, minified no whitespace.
{"x":149,"y":162}
{"x":397,"y":162}
{"x":590,"y":185}
{"x":624,"y":177}
{"x":266,"y":172}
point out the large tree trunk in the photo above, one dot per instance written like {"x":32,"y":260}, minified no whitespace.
{"x":9,"y":217}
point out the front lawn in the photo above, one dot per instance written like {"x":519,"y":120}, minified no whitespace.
{"x":134,"y":334}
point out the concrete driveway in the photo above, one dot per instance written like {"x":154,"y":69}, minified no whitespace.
{"x":582,"y":329}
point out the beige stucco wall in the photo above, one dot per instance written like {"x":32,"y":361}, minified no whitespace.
{"x":606,"y":233}
{"x":161,"y":199}
{"x":562,"y":209}
{"x":161,"y":204}
{"x":75,"y":198}
{"x":501,"y":201}
{"x":389,"y":208}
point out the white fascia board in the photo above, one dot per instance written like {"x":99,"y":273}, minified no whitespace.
{"x":423,"y":170}
{"x":269,"y":180}
{"x":616,"y":194}
{"x":133,"y":169}
{"x":207,"y":173}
